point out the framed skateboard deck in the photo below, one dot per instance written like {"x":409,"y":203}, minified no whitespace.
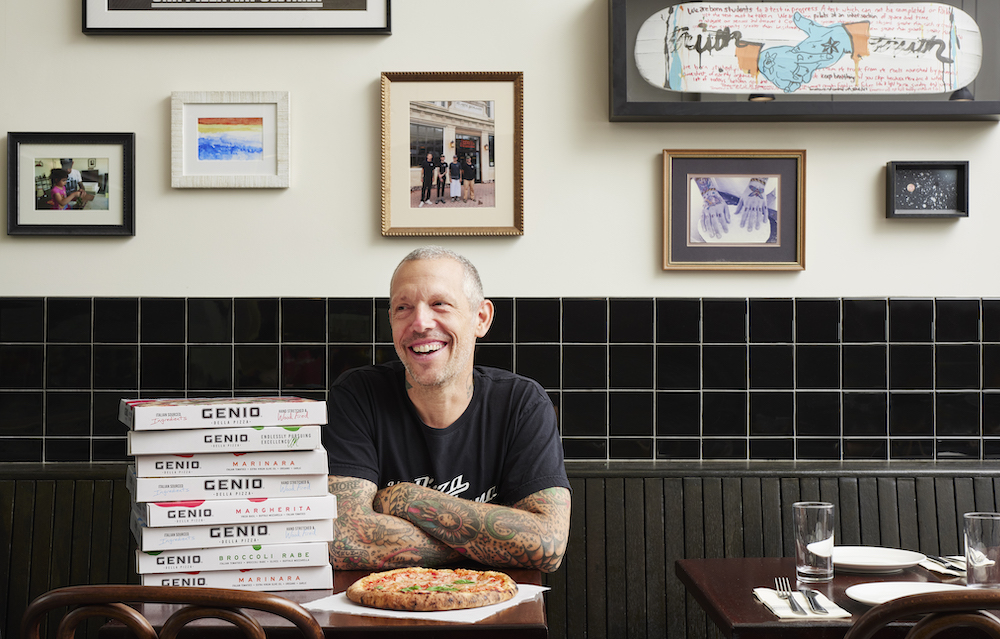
{"x":821,"y":47}
{"x":631,"y":97}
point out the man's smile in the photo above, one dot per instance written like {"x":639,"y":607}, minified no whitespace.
{"x":427,"y":347}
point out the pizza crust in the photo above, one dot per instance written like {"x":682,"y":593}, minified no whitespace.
{"x":386,"y":589}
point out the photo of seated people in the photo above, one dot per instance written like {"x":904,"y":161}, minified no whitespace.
{"x":71,"y":183}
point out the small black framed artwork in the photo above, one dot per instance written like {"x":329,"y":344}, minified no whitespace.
{"x":734,"y":210}
{"x":71,"y":184}
{"x":927,"y":189}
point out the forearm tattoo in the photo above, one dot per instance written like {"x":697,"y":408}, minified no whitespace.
{"x":363,"y":538}
{"x":532,"y":534}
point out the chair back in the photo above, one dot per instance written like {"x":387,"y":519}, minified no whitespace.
{"x":109,"y":601}
{"x":947,"y":610}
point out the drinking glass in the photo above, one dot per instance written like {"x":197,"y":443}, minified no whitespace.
{"x":813,"y":522}
{"x":982,"y":550}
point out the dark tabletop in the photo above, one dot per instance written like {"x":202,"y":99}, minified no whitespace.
{"x":724,"y":589}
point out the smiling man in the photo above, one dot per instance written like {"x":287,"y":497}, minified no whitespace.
{"x":433,"y":459}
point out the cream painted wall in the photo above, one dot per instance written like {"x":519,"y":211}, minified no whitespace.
{"x":592,"y":188}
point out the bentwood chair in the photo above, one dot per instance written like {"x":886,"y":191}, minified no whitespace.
{"x":948,"y":610}
{"x":109,"y":602}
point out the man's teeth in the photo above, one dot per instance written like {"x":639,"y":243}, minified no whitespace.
{"x":426,"y":348}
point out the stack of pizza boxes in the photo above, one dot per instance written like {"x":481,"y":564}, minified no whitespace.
{"x":230,"y":492}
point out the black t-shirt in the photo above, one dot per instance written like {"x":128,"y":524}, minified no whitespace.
{"x":468,"y":171}
{"x":504,"y":447}
{"x":428,"y":167}
{"x":456,"y":170}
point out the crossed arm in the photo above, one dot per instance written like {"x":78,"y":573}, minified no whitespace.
{"x":406,"y":525}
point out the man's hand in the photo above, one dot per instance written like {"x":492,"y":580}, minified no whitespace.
{"x":531,"y":534}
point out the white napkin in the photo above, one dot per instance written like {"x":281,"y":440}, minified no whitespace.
{"x":340,"y":603}
{"x":781,"y":608}
{"x":938,"y":568}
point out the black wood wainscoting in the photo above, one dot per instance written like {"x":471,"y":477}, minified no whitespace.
{"x":67,"y":524}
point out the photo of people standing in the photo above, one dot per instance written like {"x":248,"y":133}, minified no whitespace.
{"x":451,"y":154}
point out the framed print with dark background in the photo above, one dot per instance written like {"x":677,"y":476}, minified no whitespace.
{"x":222,"y":17}
{"x":633,"y":99}
{"x":229,"y":139}
{"x":734,"y":210}
{"x":927,"y":189}
{"x":71,"y":184}
{"x":439,"y":124}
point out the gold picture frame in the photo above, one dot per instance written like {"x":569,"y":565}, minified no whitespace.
{"x":476,"y":118}
{"x":734,"y":210}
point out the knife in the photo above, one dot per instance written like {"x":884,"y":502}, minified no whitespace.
{"x":813,"y":601}
{"x":950,"y":565}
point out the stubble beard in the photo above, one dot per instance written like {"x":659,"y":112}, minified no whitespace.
{"x":446,"y":375}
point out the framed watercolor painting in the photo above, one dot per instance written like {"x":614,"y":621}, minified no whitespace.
{"x":735,"y":210}
{"x":927,"y":189}
{"x":215,"y":17}
{"x":229,"y":139}
{"x":71,"y":184}
{"x":452,"y":153}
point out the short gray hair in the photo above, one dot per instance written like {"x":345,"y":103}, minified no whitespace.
{"x":473,"y":285}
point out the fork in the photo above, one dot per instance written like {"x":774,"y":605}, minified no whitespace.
{"x":784,"y":591}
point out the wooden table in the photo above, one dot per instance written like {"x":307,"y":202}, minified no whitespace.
{"x":526,"y":619}
{"x":724,"y":589}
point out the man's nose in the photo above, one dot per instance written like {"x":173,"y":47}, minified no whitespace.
{"x":422,"y":317}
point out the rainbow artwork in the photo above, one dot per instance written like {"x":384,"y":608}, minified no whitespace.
{"x":231,"y":139}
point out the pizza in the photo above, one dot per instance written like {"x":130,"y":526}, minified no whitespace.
{"x":432,"y":589}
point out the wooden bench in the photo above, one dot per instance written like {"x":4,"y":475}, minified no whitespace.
{"x":67,"y":524}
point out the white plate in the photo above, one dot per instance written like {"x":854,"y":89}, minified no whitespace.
{"x":883,"y":591}
{"x":873,"y":559}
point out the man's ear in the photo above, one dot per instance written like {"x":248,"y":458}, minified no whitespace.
{"x":484,"y":318}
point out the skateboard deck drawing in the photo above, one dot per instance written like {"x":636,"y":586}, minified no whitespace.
{"x":809,"y":47}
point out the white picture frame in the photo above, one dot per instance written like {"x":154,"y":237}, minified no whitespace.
{"x":203,"y":125}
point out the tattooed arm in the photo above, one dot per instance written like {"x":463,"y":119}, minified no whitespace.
{"x":531,"y":534}
{"x":363,"y":538}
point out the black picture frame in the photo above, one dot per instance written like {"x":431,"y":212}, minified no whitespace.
{"x":631,"y":99}
{"x":138,"y":17}
{"x":29,"y":158}
{"x":778,"y":246}
{"x":927,"y":189}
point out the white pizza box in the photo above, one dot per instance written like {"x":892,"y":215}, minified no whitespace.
{"x":237,"y":558}
{"x":199,"y":512}
{"x":228,"y":535}
{"x":270,"y":579}
{"x":208,"y":440}
{"x":226,"y":487}
{"x":220,"y":412}
{"x":280,"y":462}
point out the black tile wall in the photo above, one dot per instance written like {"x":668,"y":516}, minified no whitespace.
{"x":631,"y":379}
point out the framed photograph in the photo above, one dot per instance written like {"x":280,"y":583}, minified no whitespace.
{"x":229,"y":139}
{"x":634,"y":98}
{"x":927,"y":189}
{"x":71,"y":184}
{"x":735,"y":210}
{"x":452,"y":153}
{"x":217,"y":17}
